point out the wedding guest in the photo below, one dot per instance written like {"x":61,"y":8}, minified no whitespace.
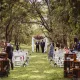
{"x":51,"y":51}
{"x":9,"y":51}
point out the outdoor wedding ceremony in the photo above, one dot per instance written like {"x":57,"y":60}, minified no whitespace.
{"x":39,"y":39}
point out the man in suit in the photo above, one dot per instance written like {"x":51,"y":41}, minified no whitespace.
{"x":9,"y":51}
{"x":37,"y":46}
{"x":42,"y":46}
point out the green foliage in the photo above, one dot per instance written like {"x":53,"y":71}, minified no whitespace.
{"x":58,"y":17}
{"x":61,"y":18}
{"x":14,"y":17}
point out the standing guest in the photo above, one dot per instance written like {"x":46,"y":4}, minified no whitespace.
{"x":17,"y":47}
{"x":78,"y":46}
{"x":9,"y":51}
{"x":57,"y":45}
{"x":51,"y":51}
{"x":42,"y":46}
{"x":37,"y":46}
{"x":75,"y":46}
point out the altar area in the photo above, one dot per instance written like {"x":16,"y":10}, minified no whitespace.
{"x":39,"y":38}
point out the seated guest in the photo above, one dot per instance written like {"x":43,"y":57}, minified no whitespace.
{"x":66,"y":50}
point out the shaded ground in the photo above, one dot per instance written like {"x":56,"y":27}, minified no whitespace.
{"x":39,"y":68}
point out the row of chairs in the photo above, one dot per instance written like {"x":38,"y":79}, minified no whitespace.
{"x":20,"y":58}
{"x":59,"y":61}
{"x":59,"y":57}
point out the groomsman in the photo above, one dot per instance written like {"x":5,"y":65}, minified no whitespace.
{"x":37,"y":46}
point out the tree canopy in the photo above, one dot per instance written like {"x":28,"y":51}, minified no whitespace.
{"x":60,"y":18}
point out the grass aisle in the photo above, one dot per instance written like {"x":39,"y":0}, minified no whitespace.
{"x":39,"y":68}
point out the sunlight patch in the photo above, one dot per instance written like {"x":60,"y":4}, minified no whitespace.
{"x":20,"y":76}
{"x":15,"y":70}
{"x":37,"y":76}
{"x":40,"y":62}
{"x":49,"y":71}
{"x":31,"y":66}
{"x":35,"y":71}
{"x":34,"y":56}
{"x":29,"y":69}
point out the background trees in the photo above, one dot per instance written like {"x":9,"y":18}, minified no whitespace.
{"x":60,"y":18}
{"x":14,"y":16}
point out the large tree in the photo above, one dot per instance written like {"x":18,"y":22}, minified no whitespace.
{"x":13,"y":16}
{"x":59,"y":17}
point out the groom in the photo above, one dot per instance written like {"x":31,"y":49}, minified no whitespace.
{"x":42,"y":46}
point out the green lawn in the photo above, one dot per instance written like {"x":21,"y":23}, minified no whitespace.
{"x":39,"y":68}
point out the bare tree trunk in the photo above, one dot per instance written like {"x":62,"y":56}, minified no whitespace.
{"x":6,"y":34}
